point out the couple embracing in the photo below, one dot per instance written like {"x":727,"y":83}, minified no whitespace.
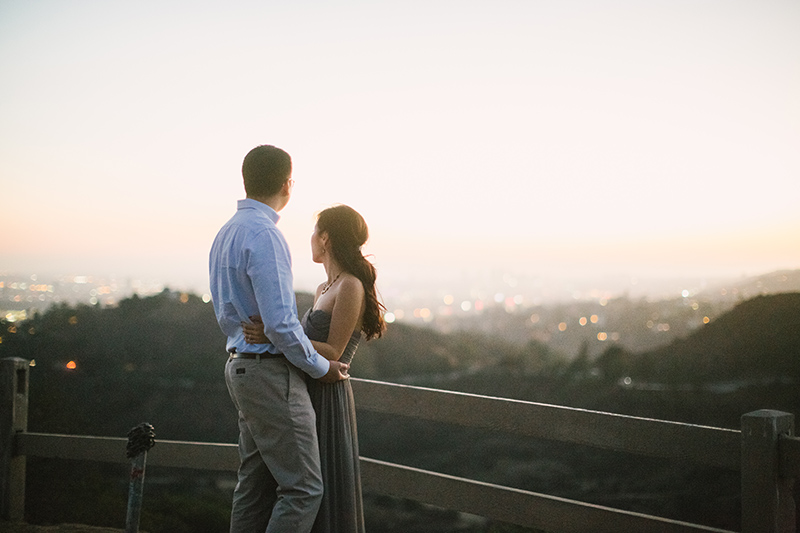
{"x":288,"y":378}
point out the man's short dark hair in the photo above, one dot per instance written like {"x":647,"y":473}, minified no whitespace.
{"x":265,"y":169}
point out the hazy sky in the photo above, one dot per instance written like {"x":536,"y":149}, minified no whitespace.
{"x":576,"y":137}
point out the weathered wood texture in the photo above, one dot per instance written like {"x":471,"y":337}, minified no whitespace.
{"x":509,"y":505}
{"x":767,"y":500}
{"x":181,"y":454}
{"x":644,"y":436}
{"x":765,"y":450}
{"x":14,"y":374}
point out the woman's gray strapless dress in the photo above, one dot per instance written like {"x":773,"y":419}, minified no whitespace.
{"x":342,"y":509}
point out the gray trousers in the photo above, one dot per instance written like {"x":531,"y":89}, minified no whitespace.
{"x":279,"y":487}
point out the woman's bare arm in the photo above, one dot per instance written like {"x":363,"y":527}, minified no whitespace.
{"x":345,"y":318}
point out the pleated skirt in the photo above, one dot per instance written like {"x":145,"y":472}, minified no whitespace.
{"x":342,"y":509}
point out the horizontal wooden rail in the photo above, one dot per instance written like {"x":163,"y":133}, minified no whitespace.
{"x":509,"y":505}
{"x":514,"y":506}
{"x":705,"y":445}
{"x":765,"y":451}
{"x":658,"y":438}
{"x":223,"y":457}
{"x":180,"y":454}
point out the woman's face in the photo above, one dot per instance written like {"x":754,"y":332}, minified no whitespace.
{"x":318,"y":242}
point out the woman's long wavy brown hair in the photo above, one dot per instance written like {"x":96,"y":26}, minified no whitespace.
{"x":347,"y":232}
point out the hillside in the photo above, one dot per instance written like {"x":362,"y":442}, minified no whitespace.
{"x":777,"y":282}
{"x":160,"y":360}
{"x":746,"y":359}
{"x":758,"y":340}
{"x":148,"y":353}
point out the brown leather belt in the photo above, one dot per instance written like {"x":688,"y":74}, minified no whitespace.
{"x":257,"y":356}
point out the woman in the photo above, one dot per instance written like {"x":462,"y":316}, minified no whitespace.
{"x":345,"y":306}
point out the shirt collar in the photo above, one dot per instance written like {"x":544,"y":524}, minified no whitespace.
{"x":249,"y":203}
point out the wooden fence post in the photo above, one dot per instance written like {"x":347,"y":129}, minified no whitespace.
{"x":767,"y":501}
{"x":13,"y":419}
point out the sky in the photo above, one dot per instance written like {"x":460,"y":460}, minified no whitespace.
{"x":572,"y":139}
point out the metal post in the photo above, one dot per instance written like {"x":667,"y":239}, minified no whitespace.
{"x":140,"y":439}
{"x":13,"y":419}
{"x":767,"y":501}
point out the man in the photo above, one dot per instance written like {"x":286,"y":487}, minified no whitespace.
{"x":279,"y":485}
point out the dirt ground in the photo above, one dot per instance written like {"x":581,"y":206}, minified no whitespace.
{"x":20,"y":527}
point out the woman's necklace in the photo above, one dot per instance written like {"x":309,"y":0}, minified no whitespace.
{"x":329,"y":285}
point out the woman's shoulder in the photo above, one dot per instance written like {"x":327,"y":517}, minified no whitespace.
{"x":350,"y":283}
{"x":319,"y":289}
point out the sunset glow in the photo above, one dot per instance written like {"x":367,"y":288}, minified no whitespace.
{"x":544,"y":139}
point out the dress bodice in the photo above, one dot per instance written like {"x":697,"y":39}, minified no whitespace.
{"x":317,"y":324}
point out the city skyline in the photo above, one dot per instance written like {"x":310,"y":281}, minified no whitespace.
{"x":566,"y":142}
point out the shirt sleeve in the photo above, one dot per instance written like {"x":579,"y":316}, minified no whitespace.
{"x":269,"y":268}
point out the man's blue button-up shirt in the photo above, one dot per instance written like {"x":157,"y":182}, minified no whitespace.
{"x":250,"y":272}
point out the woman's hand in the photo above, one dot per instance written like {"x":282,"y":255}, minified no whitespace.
{"x":254,"y":332}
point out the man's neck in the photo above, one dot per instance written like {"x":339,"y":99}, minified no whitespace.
{"x":276,"y":202}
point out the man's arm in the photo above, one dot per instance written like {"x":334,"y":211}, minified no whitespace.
{"x":254,"y":334}
{"x":337,"y":372}
{"x":268,"y":266}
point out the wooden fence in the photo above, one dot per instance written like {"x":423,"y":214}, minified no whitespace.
{"x":765,"y":451}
